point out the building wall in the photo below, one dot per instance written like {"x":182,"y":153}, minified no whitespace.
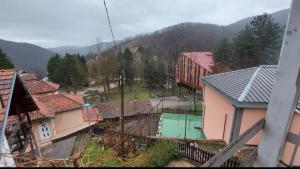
{"x":63,"y":124}
{"x":217,"y":108}
{"x":188,"y":72}
{"x":35,"y":127}
{"x":250,"y":117}
{"x":69,"y":122}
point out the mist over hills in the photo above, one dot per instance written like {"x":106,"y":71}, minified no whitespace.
{"x":83,"y":50}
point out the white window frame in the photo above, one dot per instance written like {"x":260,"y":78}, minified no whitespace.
{"x":44,"y":131}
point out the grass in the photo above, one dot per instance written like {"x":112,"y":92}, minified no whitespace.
{"x":138,"y":92}
{"x":211,"y":146}
{"x":96,"y":156}
{"x":158,"y":155}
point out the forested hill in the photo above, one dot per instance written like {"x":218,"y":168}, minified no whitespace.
{"x":27,"y":56}
{"x":181,"y":37}
{"x":193,"y":36}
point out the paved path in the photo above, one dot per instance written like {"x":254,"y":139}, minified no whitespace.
{"x":60,"y":150}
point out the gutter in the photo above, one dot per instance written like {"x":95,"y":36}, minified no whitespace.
{"x":7,"y":109}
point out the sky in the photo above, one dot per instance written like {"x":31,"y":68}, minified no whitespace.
{"x":53,"y":23}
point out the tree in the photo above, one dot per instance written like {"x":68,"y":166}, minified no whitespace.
{"x":69,"y":71}
{"x":52,"y":67}
{"x":5,"y":62}
{"x":126,"y":58}
{"x":247,"y":51}
{"x":224,"y":52}
{"x":269,"y":36}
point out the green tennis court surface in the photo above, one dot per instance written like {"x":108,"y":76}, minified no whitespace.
{"x":173,"y":125}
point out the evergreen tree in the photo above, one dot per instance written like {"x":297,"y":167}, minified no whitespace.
{"x":5,"y":62}
{"x":247,"y":51}
{"x":224,"y":52}
{"x":269,"y":35}
{"x":52,"y":67}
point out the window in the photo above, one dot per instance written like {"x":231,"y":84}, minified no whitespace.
{"x":44,"y":131}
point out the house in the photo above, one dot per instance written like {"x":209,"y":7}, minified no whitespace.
{"x":234,"y":101}
{"x":37,"y":87}
{"x":60,"y":114}
{"x":191,"y":66}
{"x":16,"y":126}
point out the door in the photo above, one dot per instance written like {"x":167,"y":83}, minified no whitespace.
{"x":44,"y":131}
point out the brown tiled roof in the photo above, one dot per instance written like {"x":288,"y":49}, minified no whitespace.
{"x":37,"y":115}
{"x":40,"y":87}
{"x":28,"y":76}
{"x":6,"y":81}
{"x":56,"y":103}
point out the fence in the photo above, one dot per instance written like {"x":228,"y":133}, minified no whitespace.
{"x":199,"y":155}
{"x":181,"y":111}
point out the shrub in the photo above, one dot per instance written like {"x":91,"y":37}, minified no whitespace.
{"x":160,"y":154}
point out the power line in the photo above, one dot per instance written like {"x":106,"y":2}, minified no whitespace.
{"x":110,"y":27}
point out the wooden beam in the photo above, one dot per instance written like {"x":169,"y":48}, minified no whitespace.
{"x":293,"y":138}
{"x":284,"y":95}
{"x":220,"y":158}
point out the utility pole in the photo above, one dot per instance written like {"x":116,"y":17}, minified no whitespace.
{"x":122,"y":81}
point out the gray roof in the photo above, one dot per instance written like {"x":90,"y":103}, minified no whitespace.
{"x":247,"y":87}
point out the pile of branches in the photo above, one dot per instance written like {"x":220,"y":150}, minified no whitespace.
{"x":115,"y":140}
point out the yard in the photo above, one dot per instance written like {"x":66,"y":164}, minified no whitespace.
{"x":157,"y":155}
{"x":136,"y":92}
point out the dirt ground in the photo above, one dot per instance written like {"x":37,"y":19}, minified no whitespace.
{"x":180,"y":163}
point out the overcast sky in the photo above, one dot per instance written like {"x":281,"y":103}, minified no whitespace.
{"x":52,"y":23}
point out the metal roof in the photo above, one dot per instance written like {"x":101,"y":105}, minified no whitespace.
{"x":247,"y":87}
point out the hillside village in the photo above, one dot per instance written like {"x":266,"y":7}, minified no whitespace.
{"x":174,"y":104}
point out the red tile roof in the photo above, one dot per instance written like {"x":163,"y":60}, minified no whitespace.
{"x":40,"y":87}
{"x":50,"y":104}
{"x":76,"y":98}
{"x":6,"y":80}
{"x":204,"y":59}
{"x":37,"y":115}
{"x":28,"y":76}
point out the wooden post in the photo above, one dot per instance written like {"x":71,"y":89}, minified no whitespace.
{"x":284,"y":96}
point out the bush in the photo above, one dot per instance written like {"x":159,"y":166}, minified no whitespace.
{"x":160,"y":154}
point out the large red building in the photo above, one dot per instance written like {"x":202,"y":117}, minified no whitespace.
{"x":193,"y":65}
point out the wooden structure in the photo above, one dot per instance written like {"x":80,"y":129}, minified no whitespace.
{"x":191,"y":66}
{"x":16,"y":104}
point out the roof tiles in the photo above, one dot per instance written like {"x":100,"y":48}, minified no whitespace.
{"x":57,"y":103}
{"x":6,"y":80}
{"x":40,"y":87}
